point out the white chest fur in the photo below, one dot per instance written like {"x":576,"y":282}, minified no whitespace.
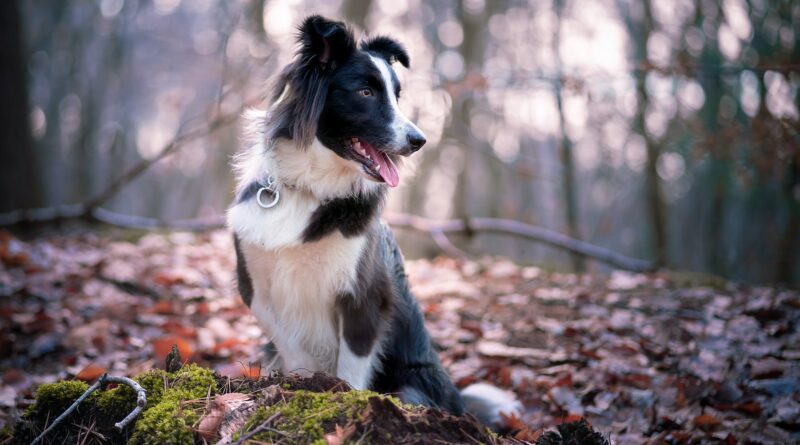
{"x":294,"y":292}
{"x":295,"y":284}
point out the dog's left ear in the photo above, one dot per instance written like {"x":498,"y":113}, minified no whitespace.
{"x":325,"y":42}
{"x":388,"y":48}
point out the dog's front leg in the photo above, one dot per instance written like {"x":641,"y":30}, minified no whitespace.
{"x":290,"y":355}
{"x":359,"y":327}
{"x":353,"y":368}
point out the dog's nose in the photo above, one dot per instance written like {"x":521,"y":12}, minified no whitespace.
{"x":416,"y":140}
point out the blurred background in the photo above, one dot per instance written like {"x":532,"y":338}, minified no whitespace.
{"x":661,"y":130}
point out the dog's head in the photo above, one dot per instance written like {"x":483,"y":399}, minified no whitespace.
{"x":345,"y":95}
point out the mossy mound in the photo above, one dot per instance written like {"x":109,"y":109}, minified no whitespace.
{"x":304,"y":417}
{"x":163,"y":421}
{"x":275,"y":409}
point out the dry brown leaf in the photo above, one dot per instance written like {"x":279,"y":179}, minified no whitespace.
{"x":217,"y":409}
{"x":340,"y":435}
{"x":512,"y":422}
{"x":528,"y":435}
{"x":91,"y":372}
{"x":706,"y":421}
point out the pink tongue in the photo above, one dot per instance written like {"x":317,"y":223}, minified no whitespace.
{"x":388,"y":170}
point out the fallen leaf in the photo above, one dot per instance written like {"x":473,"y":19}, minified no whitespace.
{"x":512,"y":422}
{"x":12,"y":376}
{"x":211,"y":421}
{"x":227,"y":344}
{"x":706,"y":421}
{"x":91,"y":372}
{"x":497,"y":349}
{"x":163,"y":307}
{"x":528,"y":435}
{"x":504,"y":377}
{"x":217,"y":408}
{"x":252,"y":371}
{"x":179,"y":329}
{"x":340,"y":435}
{"x":752,"y":408}
{"x":569,"y":418}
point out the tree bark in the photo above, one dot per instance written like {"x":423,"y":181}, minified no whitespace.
{"x":655,"y":204}
{"x":18,"y":179}
{"x":569,"y":182}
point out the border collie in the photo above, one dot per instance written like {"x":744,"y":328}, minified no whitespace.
{"x":322,"y":274}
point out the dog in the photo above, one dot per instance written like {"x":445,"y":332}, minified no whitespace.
{"x":315,"y":264}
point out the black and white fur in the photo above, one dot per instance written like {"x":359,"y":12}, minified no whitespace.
{"x":323,"y":276}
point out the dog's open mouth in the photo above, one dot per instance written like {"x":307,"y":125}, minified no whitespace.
{"x":376,"y":164}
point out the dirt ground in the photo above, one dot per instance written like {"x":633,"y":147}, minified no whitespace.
{"x":667,"y":358}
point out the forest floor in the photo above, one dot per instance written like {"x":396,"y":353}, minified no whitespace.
{"x":665,"y":358}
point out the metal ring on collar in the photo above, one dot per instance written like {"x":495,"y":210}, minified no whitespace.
{"x":276,"y":196}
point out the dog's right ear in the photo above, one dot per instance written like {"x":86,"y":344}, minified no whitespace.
{"x":325,"y":42}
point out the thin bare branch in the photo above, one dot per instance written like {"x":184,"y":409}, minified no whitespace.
{"x":136,"y":170}
{"x":141,"y":402}
{"x":139,"y":222}
{"x":265,"y":426}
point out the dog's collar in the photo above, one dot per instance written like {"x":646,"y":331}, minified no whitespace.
{"x":266,"y":192}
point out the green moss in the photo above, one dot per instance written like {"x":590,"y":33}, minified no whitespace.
{"x":6,"y":434}
{"x":52,"y":399}
{"x":307,"y":416}
{"x":56,"y":397}
{"x":166,"y":421}
{"x":192,"y":382}
{"x":119,"y":401}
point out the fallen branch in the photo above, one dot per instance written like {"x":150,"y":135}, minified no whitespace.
{"x":512,"y":227}
{"x":90,"y":209}
{"x":437,"y":230}
{"x":141,"y":402}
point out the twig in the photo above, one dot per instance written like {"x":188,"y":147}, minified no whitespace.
{"x":89,"y":209}
{"x":263,"y":427}
{"x":141,"y":402}
{"x":134,"y":171}
{"x":138,"y":222}
{"x":141,"y":399}
{"x":508,"y":226}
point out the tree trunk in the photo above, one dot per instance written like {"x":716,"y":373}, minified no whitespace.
{"x":565,"y":149}
{"x":17,"y":161}
{"x":655,"y":203}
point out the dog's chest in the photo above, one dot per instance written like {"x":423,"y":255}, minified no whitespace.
{"x":295,"y":290}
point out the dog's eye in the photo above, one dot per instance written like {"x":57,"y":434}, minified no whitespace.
{"x":366,"y":92}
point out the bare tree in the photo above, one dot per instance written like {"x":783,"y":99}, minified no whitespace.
{"x":640,"y":29}
{"x":18,"y":179}
{"x":570,"y":184}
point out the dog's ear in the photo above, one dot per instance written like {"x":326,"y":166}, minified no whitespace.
{"x":388,"y":48}
{"x":300,"y":91}
{"x":325,"y":42}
